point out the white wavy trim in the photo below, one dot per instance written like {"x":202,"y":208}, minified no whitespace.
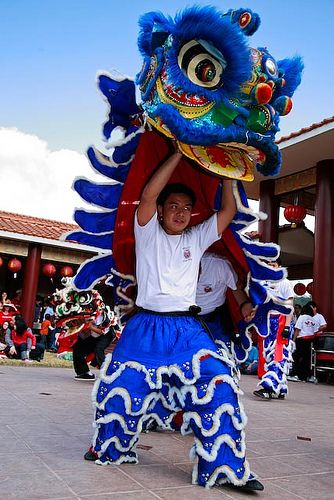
{"x":219,"y":441}
{"x":165,"y":370}
{"x":223,"y":469}
{"x":224,"y":408}
{"x":121,"y":460}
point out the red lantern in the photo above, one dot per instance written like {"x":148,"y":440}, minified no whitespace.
{"x":14,"y":265}
{"x":49,"y":270}
{"x":299,"y":289}
{"x":66,"y":272}
{"x":309,"y":288}
{"x":1,"y":261}
{"x":295,"y":214}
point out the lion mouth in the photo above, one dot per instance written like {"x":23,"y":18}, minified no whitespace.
{"x":229,"y":159}
{"x":74,"y":324}
{"x":233,"y":160}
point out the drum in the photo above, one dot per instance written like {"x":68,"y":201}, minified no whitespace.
{"x":324,"y":352}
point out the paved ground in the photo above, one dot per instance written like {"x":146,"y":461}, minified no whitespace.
{"x":46,"y":427}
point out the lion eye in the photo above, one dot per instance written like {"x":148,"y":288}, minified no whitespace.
{"x":271,"y":67}
{"x":85,"y":298}
{"x":203,"y":65}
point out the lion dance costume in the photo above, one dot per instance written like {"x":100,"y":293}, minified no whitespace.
{"x":203,"y":86}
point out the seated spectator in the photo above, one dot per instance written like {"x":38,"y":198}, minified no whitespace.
{"x":249,"y":367}
{"x":21,"y":341}
{"x":4,"y":330}
{"x":7,"y":313}
{"x":4,"y":298}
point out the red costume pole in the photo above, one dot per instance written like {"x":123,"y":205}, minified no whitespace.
{"x":30,"y":282}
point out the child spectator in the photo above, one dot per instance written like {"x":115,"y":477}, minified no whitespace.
{"x":21,"y":341}
{"x":46,"y":326}
{"x":249,"y":367}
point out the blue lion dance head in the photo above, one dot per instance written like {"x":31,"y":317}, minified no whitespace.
{"x":202,"y":85}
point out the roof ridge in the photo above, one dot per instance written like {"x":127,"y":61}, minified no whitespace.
{"x":31,"y":218}
{"x":303,"y":130}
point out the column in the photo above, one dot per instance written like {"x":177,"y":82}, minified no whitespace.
{"x":323,"y":268}
{"x":269,"y":204}
{"x":30,"y":282}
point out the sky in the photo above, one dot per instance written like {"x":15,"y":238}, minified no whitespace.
{"x":51,"y":110}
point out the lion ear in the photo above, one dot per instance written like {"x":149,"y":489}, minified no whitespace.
{"x":154,"y":29}
{"x":290,"y":70}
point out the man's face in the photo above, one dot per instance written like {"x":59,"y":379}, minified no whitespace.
{"x":175,"y":214}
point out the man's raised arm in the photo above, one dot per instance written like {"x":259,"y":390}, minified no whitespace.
{"x":228,"y":209}
{"x":148,"y":200}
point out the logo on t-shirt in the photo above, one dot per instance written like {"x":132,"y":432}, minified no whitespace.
{"x":207,"y":289}
{"x":186,"y":253}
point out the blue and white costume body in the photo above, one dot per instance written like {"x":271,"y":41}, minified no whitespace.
{"x":166,"y":361}
{"x":277,"y":352}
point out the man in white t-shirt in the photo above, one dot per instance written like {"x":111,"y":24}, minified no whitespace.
{"x":216,"y":277}
{"x":321,"y":323}
{"x":277,"y":346}
{"x":165,"y":361}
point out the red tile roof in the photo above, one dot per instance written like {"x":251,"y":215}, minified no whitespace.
{"x":305,"y":130}
{"x":34,"y":226}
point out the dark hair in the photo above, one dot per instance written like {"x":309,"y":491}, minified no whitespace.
{"x":20,"y":325}
{"x":176,"y":188}
{"x":47,"y":316}
{"x":312,"y":303}
{"x":307,"y":309}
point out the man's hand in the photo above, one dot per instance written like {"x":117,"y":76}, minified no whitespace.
{"x":286,"y":333}
{"x":247,"y":311}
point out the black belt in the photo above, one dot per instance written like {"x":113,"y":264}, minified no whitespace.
{"x":193,"y":312}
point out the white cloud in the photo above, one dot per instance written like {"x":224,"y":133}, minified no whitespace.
{"x":36,"y":181}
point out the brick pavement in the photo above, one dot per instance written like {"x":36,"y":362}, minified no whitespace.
{"x":46,"y":426}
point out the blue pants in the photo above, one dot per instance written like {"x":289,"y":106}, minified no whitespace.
{"x":160,"y":365}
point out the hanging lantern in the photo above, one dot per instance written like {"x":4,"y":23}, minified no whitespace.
{"x":66,"y":272}
{"x":309,"y":288}
{"x":14,"y":265}
{"x":295,"y":214}
{"x":1,"y":261}
{"x":299,"y":289}
{"x":49,"y":270}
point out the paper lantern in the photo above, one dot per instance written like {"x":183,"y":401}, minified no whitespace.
{"x":49,"y":270}
{"x":14,"y":265}
{"x":66,"y":272}
{"x":299,"y":289}
{"x":309,"y":288}
{"x":295,"y":214}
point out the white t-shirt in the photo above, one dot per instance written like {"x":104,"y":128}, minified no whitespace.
{"x":306,"y":325}
{"x":167,"y":265}
{"x":97,"y":322}
{"x":319,"y":320}
{"x":282,"y":290}
{"x":216,"y":276}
